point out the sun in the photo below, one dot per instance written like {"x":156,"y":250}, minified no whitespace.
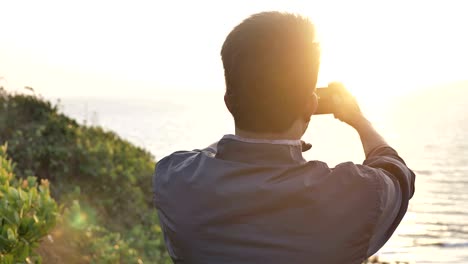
{"x":392,"y":51}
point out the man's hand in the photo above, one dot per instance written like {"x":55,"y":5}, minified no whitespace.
{"x":349,"y":112}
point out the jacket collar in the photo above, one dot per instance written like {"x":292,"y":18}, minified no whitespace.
{"x":264,"y":151}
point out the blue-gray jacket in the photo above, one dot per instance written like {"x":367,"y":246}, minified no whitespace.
{"x":259,"y":201}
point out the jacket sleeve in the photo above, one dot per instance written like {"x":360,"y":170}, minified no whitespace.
{"x":397,"y":182}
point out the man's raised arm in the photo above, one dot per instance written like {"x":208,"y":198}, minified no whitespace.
{"x":397,"y":180}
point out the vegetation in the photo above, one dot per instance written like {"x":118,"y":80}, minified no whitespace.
{"x":101,"y":181}
{"x":27,"y":213}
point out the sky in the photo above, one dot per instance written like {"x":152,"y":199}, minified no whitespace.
{"x":145,"y":48}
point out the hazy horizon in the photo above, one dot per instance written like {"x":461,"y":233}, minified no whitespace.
{"x":110,"y":49}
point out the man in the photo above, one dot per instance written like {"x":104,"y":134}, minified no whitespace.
{"x":251,"y":197}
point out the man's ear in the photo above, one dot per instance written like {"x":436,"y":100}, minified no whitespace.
{"x":311,"y":106}
{"x":314,"y":102}
{"x":228,"y":103}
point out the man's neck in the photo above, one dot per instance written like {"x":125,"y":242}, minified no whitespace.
{"x":295,"y":132}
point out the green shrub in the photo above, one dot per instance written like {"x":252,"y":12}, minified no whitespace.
{"x":114,"y":176}
{"x":27,"y":214}
{"x":110,"y":177}
{"x":97,"y":243}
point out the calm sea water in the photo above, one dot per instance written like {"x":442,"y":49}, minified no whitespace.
{"x":429,"y":130}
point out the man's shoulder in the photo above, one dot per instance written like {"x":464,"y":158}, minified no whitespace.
{"x":371,"y":180}
{"x":176,"y":158}
{"x":172,"y":165}
{"x":358,"y":171}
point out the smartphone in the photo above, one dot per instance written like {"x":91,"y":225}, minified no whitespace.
{"x":326,"y":100}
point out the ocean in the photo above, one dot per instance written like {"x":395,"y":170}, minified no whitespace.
{"x":428,"y":129}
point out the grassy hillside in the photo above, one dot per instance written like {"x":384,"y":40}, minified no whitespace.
{"x":102,"y":182}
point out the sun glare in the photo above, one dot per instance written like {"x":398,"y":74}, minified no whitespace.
{"x":375,"y":48}
{"x":385,"y":50}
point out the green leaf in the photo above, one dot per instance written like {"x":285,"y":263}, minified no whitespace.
{"x":10,"y":235}
{"x":16,"y":217}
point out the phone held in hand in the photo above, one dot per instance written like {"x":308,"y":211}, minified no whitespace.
{"x":328,"y":99}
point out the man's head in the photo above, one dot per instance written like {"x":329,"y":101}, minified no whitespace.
{"x":271,"y":63}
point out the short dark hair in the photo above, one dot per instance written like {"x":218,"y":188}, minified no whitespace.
{"x":271,"y":63}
